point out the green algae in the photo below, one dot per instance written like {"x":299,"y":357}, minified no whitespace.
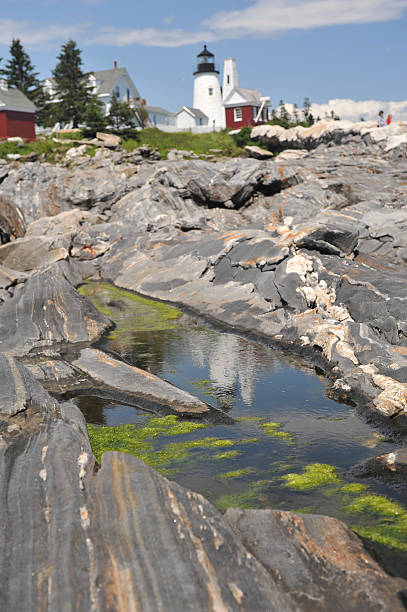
{"x":227,"y":455}
{"x":236,"y":473}
{"x":130,"y":312}
{"x":314,"y":475}
{"x":272,"y":429}
{"x":390,"y":529}
{"x":247,"y":499}
{"x":354,"y":487}
{"x":140,"y":441}
{"x":247,"y":440}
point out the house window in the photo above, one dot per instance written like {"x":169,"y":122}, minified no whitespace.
{"x":210,"y":91}
{"x":128,"y":94}
{"x":117,"y":91}
{"x":254,"y":112}
{"x":238,"y":114}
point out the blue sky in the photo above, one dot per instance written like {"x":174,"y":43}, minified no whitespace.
{"x":287,"y":49}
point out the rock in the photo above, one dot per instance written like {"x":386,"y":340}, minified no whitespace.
{"x":14,"y":156}
{"x":318,"y":560}
{"x":75,"y":152}
{"x":258,"y":153}
{"x":146,"y":390}
{"x":289,"y":154}
{"x":122,"y":536}
{"x":109,"y":140}
{"x":25,"y":254}
{"x":17,"y":140}
{"x":12,"y":224}
{"x":389,"y":467}
{"x":45,"y":311}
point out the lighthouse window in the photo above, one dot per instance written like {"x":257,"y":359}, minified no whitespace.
{"x":211,"y":91}
{"x":228,"y":79}
{"x":238,"y":114}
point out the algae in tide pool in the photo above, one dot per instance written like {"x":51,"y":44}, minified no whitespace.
{"x":248,"y":499}
{"x":130,"y":312}
{"x":140,"y":441}
{"x":390,"y":520}
{"x":314,"y":475}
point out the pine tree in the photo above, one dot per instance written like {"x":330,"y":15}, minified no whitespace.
{"x":19,"y":72}
{"x":94,"y":117}
{"x":120,"y":114}
{"x":72,"y":91}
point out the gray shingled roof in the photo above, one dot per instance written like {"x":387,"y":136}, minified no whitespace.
{"x":251,"y":96}
{"x":158,"y":110}
{"x":109,"y":78}
{"x":194,"y":111}
{"x":14,"y":99}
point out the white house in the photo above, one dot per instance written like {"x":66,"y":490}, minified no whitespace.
{"x":160,"y":118}
{"x":190,"y":118}
{"x":104,"y":83}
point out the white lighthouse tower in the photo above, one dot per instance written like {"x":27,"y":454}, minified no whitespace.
{"x":207,"y":91}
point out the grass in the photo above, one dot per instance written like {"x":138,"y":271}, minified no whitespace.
{"x":200,"y":144}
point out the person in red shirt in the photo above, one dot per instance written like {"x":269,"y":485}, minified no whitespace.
{"x":388,"y":120}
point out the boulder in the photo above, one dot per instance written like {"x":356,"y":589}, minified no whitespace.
{"x":108,"y":140}
{"x":258,"y":153}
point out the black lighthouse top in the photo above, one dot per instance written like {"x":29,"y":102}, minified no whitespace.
{"x":206,"y":62}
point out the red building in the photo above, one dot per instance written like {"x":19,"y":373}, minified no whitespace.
{"x":245,"y":115}
{"x":17,"y":114}
{"x":243,"y":107}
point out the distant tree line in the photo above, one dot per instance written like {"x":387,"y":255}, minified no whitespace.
{"x":281,"y":116}
{"x":73,"y":101}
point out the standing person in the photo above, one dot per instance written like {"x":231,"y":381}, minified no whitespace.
{"x":389,"y":118}
{"x":380,"y":119}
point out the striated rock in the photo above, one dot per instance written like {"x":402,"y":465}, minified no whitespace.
{"x":45,"y":311}
{"x":142,"y":388}
{"x":317,"y":560}
{"x":123,"y":537}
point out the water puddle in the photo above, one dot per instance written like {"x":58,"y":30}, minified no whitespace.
{"x":290,"y":448}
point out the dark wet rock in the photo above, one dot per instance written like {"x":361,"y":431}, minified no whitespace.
{"x":318,"y":560}
{"x":390,"y":468}
{"x":115,"y":378}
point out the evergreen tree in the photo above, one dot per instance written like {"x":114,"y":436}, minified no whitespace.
{"x":46,"y":113}
{"x":120,"y":114}
{"x":72,"y":91}
{"x":19,"y":72}
{"x":141,"y":115}
{"x":94,"y":117}
{"x":307,"y":111}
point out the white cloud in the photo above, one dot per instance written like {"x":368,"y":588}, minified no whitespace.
{"x":353,"y":110}
{"x":35,"y":34}
{"x":150,"y":37}
{"x":266,"y":17}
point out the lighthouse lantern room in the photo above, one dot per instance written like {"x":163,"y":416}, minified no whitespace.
{"x":207,"y":91}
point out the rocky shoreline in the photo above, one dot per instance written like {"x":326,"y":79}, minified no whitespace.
{"x":308,"y":252}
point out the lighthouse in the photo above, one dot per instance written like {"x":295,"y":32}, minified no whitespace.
{"x":207,"y":91}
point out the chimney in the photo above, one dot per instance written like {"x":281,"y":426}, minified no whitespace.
{"x":115,"y":64}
